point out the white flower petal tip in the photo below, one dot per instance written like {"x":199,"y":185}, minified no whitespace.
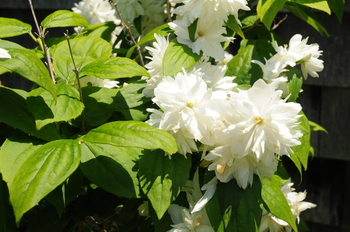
{"x":4,"y":54}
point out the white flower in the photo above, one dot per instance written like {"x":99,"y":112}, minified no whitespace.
{"x":213,"y":75}
{"x":265,"y":123}
{"x":4,"y":54}
{"x":207,"y":38}
{"x":185,"y":221}
{"x":297,"y":205}
{"x":210,"y":10}
{"x":129,"y":9}
{"x":95,"y":11}
{"x":94,"y":81}
{"x":187,"y":105}
{"x":310,"y":64}
{"x":155,"y":66}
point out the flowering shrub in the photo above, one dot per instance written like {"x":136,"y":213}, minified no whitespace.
{"x":140,"y":121}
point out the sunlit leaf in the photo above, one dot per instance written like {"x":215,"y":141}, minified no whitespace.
{"x":13,"y":27}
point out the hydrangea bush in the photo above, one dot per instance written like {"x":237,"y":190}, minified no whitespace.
{"x":139,"y":120}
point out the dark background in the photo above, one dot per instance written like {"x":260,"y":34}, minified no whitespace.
{"x":325,"y":100}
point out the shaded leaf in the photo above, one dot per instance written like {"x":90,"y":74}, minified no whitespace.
{"x":338,"y":7}
{"x":46,"y":110}
{"x":162,"y":179}
{"x":111,"y":168}
{"x":234,"y":26}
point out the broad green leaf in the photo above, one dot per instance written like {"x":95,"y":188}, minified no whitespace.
{"x":45,"y":110}
{"x":132,"y":134}
{"x":338,"y":7}
{"x":25,"y":63}
{"x":315,"y":127}
{"x":114,"y":68}
{"x":235,"y":209}
{"x":307,"y":15}
{"x":302,"y":151}
{"x":42,"y":172}
{"x":294,"y":84}
{"x":64,"y":18}
{"x":13,"y":153}
{"x":85,"y":50}
{"x":241,"y":64}
{"x":99,"y":104}
{"x":162,"y":179}
{"x":13,"y":27}
{"x":276,"y":202}
{"x":162,"y":30}
{"x":64,"y":194}
{"x":268,"y":9}
{"x":178,"y":56}
{"x":17,"y":115}
{"x":321,"y":5}
{"x":234,"y":26}
{"x":111,"y":168}
{"x":249,"y":20}
{"x":103,"y":30}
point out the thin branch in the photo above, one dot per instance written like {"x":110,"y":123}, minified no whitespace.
{"x":129,"y":31}
{"x":279,"y":23}
{"x":76,"y":71}
{"x":168,"y":8}
{"x":41,"y":41}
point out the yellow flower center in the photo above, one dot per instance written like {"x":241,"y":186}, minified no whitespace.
{"x":259,"y":120}
{"x":190,"y":104}
{"x":197,"y":222}
{"x":200,"y":33}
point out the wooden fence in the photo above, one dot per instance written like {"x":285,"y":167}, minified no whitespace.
{"x":325,"y":100}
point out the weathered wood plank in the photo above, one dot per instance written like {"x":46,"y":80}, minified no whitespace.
{"x":38,"y":4}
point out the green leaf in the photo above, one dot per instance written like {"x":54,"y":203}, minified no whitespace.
{"x":276,"y":202}
{"x":42,"y":172}
{"x":241,"y":64}
{"x":114,"y":68}
{"x":178,"y":56}
{"x":111,"y":168}
{"x":192,"y":30}
{"x":302,"y":151}
{"x":64,"y":18}
{"x":162,"y":30}
{"x":321,"y":5}
{"x":25,"y":63}
{"x":45,"y":110}
{"x":268,"y":9}
{"x":13,"y":153}
{"x":234,"y":26}
{"x":99,"y":103}
{"x":294,"y":84}
{"x":315,"y":127}
{"x":64,"y":194}
{"x":132,"y":134}
{"x":235,"y":209}
{"x":103,"y":30}
{"x":85,"y":50}
{"x":13,"y":27}
{"x":162,"y":179}
{"x":338,"y":7}
{"x":13,"y":102}
{"x":307,"y":15}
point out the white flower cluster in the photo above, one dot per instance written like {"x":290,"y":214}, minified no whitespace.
{"x":209,"y":17}
{"x":271,"y":223}
{"x":244,"y":132}
{"x":297,"y":52}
